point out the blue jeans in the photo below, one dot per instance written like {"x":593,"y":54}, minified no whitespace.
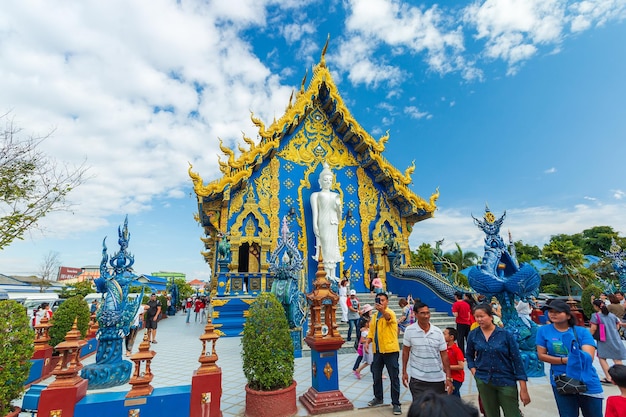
{"x":390,"y":361}
{"x":188,"y":314}
{"x":457,"y":388}
{"x":353,"y":323}
{"x":569,"y":405}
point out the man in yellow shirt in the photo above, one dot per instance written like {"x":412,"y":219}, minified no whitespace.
{"x":383,"y":338}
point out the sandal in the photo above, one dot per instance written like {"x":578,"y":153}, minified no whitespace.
{"x":605,"y":381}
{"x":154,"y":341}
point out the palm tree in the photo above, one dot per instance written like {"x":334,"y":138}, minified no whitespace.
{"x":567,"y":260}
{"x":461,"y":259}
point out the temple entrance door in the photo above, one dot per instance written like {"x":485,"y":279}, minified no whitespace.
{"x":244,"y":252}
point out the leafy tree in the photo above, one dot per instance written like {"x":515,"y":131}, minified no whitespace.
{"x":461,"y":259}
{"x":526,"y":253}
{"x":551,"y":288}
{"x":604,"y":269}
{"x":79,"y":288}
{"x":553,"y":284}
{"x":423,"y":256}
{"x":567,"y":260}
{"x":184,"y":289}
{"x":590,"y":241}
{"x":32,"y":184}
{"x":597,"y":238}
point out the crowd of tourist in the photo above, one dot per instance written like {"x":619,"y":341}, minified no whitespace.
{"x":434,"y":360}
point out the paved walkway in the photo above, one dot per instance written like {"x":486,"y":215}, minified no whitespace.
{"x":179,"y":347}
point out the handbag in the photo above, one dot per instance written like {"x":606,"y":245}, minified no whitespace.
{"x":567,"y":385}
{"x":600,"y":333}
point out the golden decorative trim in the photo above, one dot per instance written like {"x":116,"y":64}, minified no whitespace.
{"x":206,"y":398}
{"x":328,"y":370}
{"x":219,"y":302}
{"x":305,"y":105}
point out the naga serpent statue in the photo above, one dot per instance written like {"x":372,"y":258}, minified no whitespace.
{"x":500,"y":276}
{"x":114,"y":316}
{"x":618,"y":260}
{"x":286,"y":264}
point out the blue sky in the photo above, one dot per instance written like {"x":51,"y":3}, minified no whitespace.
{"x":516,"y":103}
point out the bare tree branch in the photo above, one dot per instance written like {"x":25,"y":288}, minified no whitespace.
{"x":48,"y":268}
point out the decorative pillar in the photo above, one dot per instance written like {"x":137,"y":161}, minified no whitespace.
{"x":140,"y":381}
{"x":61,"y":396}
{"x":93,"y":326}
{"x":42,"y":349}
{"x":324,"y":340}
{"x":206,"y":383}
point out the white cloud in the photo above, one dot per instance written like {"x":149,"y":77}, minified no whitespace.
{"x":415,"y":113}
{"x":407,"y":30}
{"x":618,"y":194}
{"x":551,"y":170}
{"x":138,"y":90}
{"x":512,"y":31}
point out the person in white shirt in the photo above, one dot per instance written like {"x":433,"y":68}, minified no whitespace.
{"x":425,"y":363}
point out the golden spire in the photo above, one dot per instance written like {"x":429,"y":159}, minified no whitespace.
{"x":323,"y":58}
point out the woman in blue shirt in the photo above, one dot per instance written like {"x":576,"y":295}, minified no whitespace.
{"x":494,"y":359}
{"x":554,"y":342}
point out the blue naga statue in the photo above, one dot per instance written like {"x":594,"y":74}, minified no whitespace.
{"x":286,"y":264}
{"x":618,"y":260}
{"x":114,"y":316}
{"x":500,"y":276}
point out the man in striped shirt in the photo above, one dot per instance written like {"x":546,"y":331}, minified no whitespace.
{"x":425,"y":364}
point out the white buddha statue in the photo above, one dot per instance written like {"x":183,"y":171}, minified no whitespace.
{"x":326,"y":211}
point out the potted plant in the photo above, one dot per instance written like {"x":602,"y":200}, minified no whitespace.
{"x":268,"y":360}
{"x":16,"y":349}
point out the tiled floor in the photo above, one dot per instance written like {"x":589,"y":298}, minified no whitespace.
{"x":179,"y":347}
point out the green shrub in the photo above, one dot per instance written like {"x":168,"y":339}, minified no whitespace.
{"x":585,"y":298}
{"x":551,"y":288}
{"x":267,"y":349}
{"x":63,"y":319}
{"x":16,"y":349}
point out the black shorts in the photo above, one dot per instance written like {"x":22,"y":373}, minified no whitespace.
{"x":151,"y":323}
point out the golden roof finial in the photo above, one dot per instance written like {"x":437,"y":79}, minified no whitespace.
{"x":290,"y":98}
{"x":323,"y":58}
{"x":306,"y":74}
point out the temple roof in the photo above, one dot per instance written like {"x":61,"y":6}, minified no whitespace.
{"x":321,"y":93}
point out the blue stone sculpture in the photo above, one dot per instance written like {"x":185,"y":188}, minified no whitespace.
{"x":286,"y":264}
{"x":500,"y":276}
{"x":618,"y":260}
{"x":114,"y":316}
